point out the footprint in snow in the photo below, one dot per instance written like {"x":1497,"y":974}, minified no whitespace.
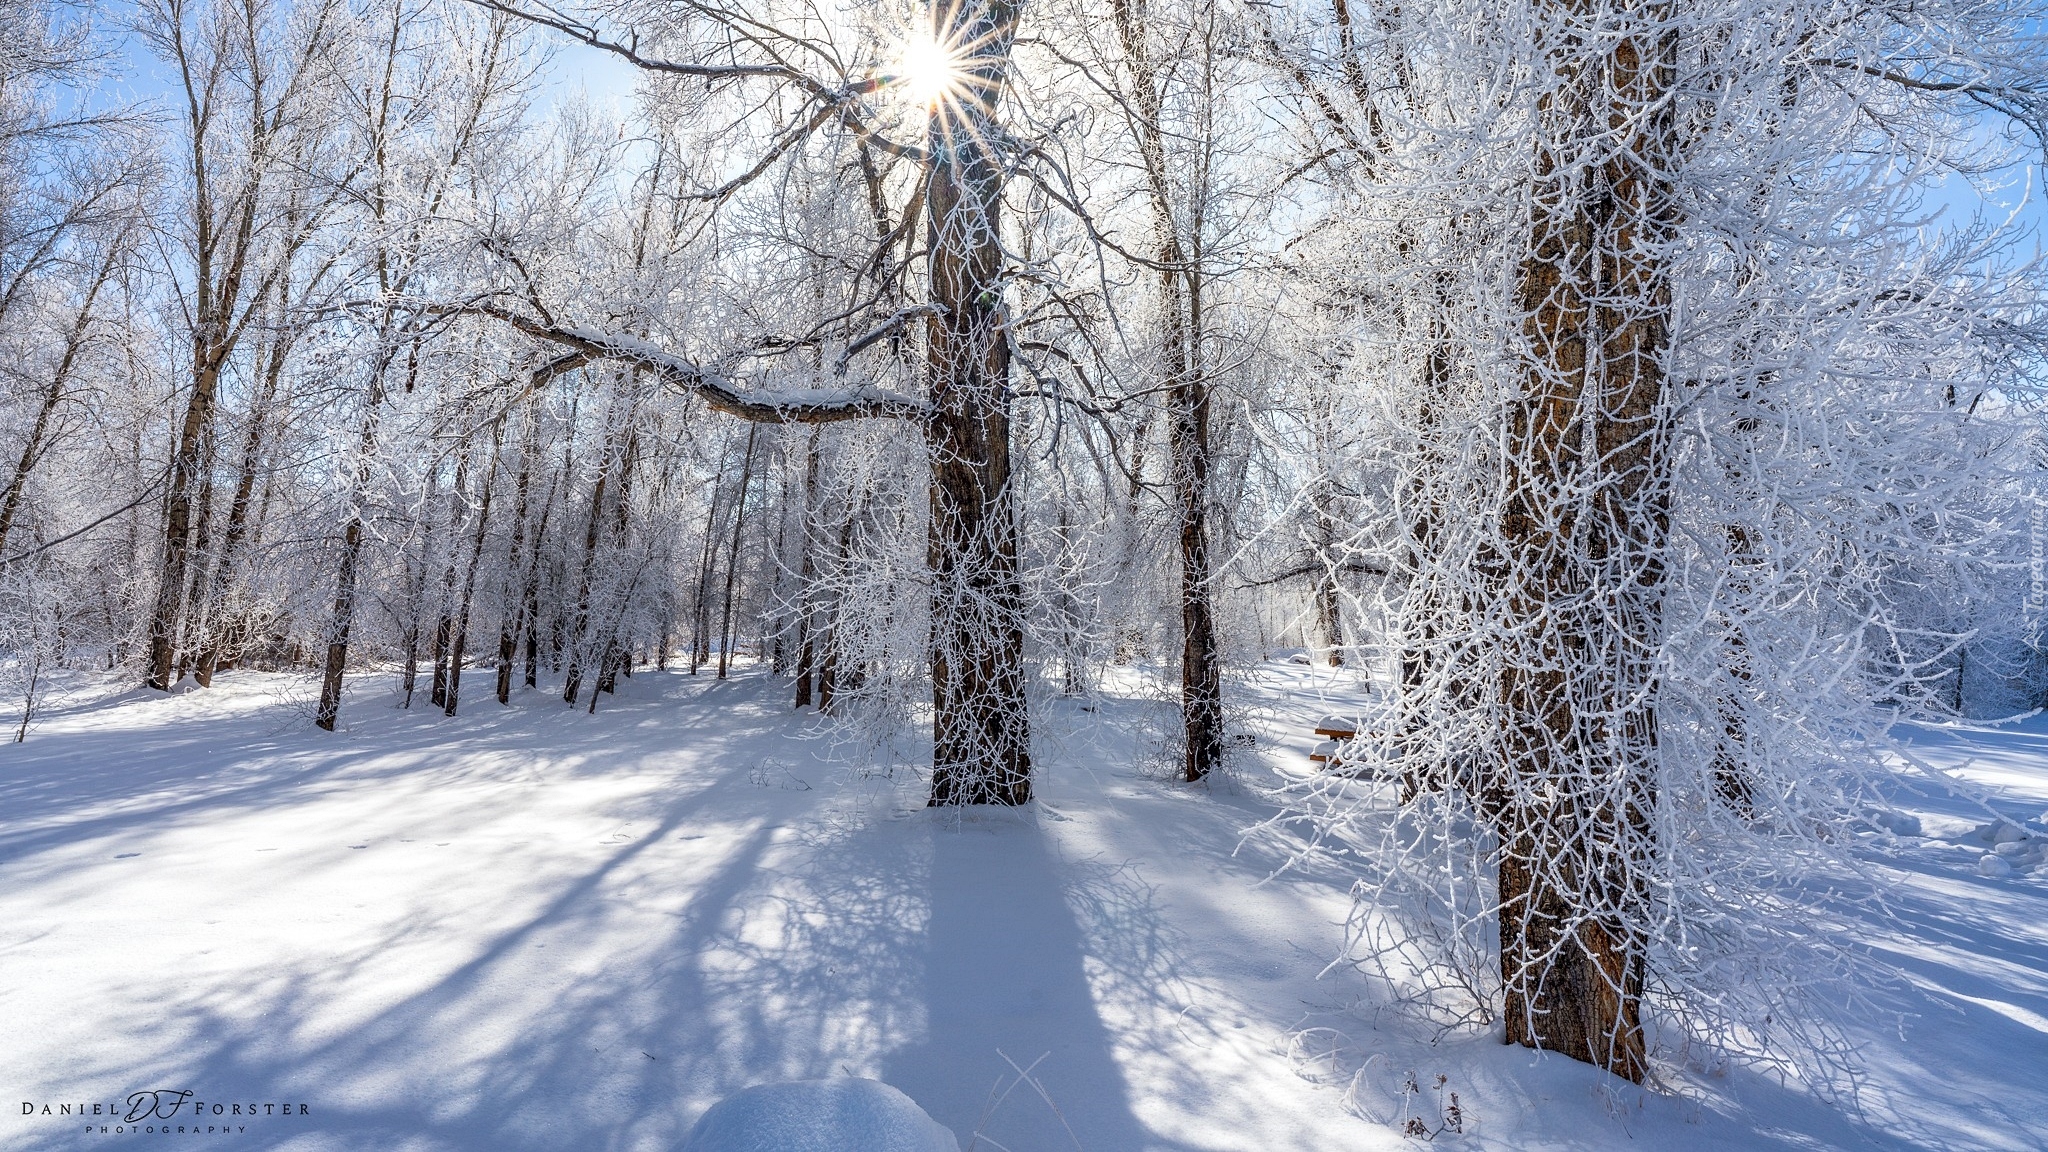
{"x":127,"y":855}
{"x":359,"y":845}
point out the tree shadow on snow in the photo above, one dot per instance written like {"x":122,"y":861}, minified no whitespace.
{"x":742,"y":935}
{"x":1013,"y":1049}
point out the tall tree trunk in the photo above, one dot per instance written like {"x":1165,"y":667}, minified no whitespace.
{"x":187,"y":462}
{"x":572,"y":686}
{"x":700,"y":611}
{"x":444,"y":618}
{"x":416,"y":590}
{"x":236,"y":534}
{"x":194,"y":630}
{"x":351,"y":557}
{"x":1181,"y":337}
{"x":732,"y":554}
{"x":613,"y":655}
{"x":1201,"y":667}
{"x":828,"y":667}
{"x":981,"y":723}
{"x":512,"y":605}
{"x":476,"y":555}
{"x":807,"y":577}
{"x":1583,"y":536}
{"x":1329,"y":603}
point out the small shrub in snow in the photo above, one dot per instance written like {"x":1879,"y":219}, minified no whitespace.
{"x":775,"y":774}
{"x":1450,"y":1113}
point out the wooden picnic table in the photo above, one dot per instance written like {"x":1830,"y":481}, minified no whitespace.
{"x":1338,"y":727}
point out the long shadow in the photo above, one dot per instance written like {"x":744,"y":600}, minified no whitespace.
{"x":1005,"y":993}
{"x":108,"y":782}
{"x":642,"y":1029}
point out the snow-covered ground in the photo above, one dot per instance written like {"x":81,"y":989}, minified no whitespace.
{"x":531,"y":928}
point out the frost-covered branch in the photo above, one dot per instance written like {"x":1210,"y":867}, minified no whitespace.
{"x":793,"y":406}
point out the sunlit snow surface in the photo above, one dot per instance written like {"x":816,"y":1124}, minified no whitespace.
{"x":531,"y":928}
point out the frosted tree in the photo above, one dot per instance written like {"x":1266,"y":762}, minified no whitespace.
{"x":252,"y":80}
{"x":421,"y":128}
{"x":959,"y":69}
{"x":1639,"y":639}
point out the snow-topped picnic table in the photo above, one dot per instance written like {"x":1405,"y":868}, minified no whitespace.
{"x":1338,"y":729}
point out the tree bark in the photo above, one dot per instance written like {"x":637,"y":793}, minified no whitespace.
{"x":614,"y":656}
{"x":512,"y":606}
{"x":1181,"y":323}
{"x":444,"y":618}
{"x":807,"y":577}
{"x":221,"y":634}
{"x":572,"y":685}
{"x":186,"y":461}
{"x":351,"y":556}
{"x":476,"y":553}
{"x":828,"y":664}
{"x":981,"y":725}
{"x":700,"y":608}
{"x":1583,"y":536}
{"x":732,"y":554}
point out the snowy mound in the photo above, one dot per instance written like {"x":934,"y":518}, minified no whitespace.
{"x":842,"y":1114}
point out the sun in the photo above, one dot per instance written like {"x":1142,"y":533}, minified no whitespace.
{"x":925,"y":70}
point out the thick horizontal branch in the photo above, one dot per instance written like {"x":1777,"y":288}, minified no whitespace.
{"x":2005,"y":91}
{"x":798,"y":406}
{"x":1314,"y":567}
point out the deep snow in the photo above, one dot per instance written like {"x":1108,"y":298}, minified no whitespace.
{"x":530,"y":928}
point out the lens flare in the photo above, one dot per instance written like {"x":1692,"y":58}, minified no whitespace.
{"x":925,"y":70}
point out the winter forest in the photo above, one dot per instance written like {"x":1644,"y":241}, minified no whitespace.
{"x":1081,"y":574}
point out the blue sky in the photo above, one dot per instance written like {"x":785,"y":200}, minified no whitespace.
{"x":578,"y":70}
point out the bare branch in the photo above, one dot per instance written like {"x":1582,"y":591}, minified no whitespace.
{"x":807,"y":406}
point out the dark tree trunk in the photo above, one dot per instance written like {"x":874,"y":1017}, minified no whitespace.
{"x":807,"y":577}
{"x":351,"y":555}
{"x":1181,"y":335}
{"x":510,"y":622}
{"x":202,"y":561}
{"x":1583,"y":534}
{"x":1201,"y":669}
{"x":416,"y":580}
{"x":615,"y":657}
{"x":1329,"y":602}
{"x":444,"y":621}
{"x":224,"y":628}
{"x":828,"y":666}
{"x":572,"y":686}
{"x":981,"y":726}
{"x":700,"y":609}
{"x":476,"y":554}
{"x":186,"y":463}
{"x":732,"y":555}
